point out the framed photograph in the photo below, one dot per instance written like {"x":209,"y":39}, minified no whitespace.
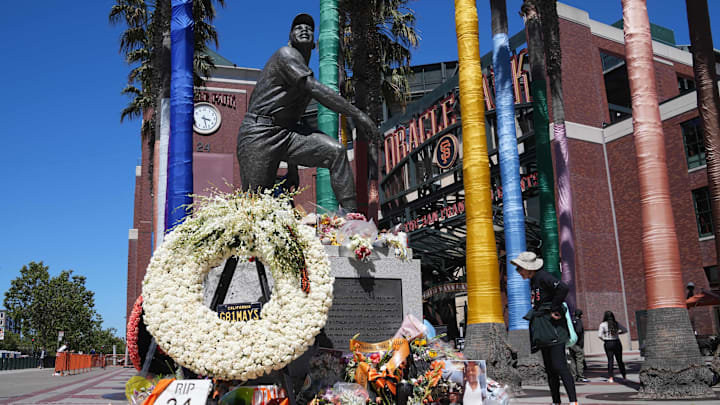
{"x":467,"y":382}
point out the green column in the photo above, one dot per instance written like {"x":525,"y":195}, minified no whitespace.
{"x":546,"y":178}
{"x":329,"y":39}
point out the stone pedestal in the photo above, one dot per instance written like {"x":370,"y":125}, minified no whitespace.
{"x":369,"y":298}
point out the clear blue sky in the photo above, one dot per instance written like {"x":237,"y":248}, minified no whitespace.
{"x":67,"y":164}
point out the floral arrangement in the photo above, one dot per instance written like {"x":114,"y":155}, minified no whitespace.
{"x":358,"y":234}
{"x":361,"y":247}
{"x":136,"y":334}
{"x":132,"y":333}
{"x":243,"y":225}
{"x":327,"y":228}
{"x":409,"y":369}
{"x":412,"y":376}
{"x":138,"y":389}
{"x":397,"y":243}
{"x":342,"y":394}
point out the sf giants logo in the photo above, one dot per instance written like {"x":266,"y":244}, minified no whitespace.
{"x":446,"y":151}
{"x":534,"y":296}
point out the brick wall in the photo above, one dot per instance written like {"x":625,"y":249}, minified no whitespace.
{"x":623,"y":170}
{"x":583,"y":86}
{"x":597,"y":270}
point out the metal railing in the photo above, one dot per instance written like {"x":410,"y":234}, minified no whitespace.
{"x":19,"y":363}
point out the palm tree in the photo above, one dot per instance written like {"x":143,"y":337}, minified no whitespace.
{"x":518,"y":290}
{"x":546,"y":182}
{"x":553,"y":59}
{"x":707,"y":99}
{"x":329,"y":39}
{"x":486,"y":335}
{"x":146,"y":46}
{"x":377,"y":38}
{"x":673,"y":367}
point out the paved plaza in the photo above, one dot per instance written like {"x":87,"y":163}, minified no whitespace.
{"x":107,"y":386}
{"x":597,"y":391}
{"x":35,"y":386}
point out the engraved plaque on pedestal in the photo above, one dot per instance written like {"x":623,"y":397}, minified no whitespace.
{"x":372,"y":307}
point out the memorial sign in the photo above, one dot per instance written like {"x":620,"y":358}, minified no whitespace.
{"x":372,"y":307}
{"x":186,"y":392}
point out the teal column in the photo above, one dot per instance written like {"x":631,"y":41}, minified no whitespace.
{"x":329,"y":39}
{"x":546,"y":178}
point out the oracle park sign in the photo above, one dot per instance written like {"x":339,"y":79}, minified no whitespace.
{"x":422,"y":149}
{"x":428,"y":121}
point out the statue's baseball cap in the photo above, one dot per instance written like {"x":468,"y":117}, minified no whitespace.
{"x":303,"y":18}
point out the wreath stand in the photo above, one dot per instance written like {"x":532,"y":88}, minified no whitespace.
{"x":218,"y":298}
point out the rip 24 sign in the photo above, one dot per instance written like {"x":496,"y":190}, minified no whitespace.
{"x":185,"y":392}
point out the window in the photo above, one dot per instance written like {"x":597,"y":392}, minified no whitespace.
{"x":713,"y":276}
{"x":617,"y":87}
{"x":701,"y":200}
{"x":685,"y":85}
{"x":694,"y":145}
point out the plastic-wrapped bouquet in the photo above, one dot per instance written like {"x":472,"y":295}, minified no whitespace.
{"x":361,"y":247}
{"x":398,"y":244}
{"x":342,"y":394}
{"x":358,"y":235}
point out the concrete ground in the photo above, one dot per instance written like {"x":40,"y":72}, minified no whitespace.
{"x":36,"y":386}
{"x":597,"y":391}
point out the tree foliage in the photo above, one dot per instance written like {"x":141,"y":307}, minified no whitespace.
{"x":16,"y":343}
{"x":377,"y":36}
{"x":43,"y":306}
{"x":147,"y":26}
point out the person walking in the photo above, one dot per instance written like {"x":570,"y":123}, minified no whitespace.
{"x":577,"y":351}
{"x":609,"y":332}
{"x":41,"y":361}
{"x":548,"y":327}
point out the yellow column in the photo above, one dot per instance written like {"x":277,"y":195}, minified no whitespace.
{"x":483,"y":276}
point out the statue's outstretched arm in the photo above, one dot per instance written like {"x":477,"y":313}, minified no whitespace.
{"x":332,"y":100}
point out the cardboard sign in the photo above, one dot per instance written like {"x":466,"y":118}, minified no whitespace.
{"x":185,"y":392}
{"x":239,"y":312}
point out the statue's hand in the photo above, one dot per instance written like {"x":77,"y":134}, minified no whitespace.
{"x":369,"y":128}
{"x":292,"y":178}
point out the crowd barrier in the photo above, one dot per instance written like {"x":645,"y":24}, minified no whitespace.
{"x":73,"y":363}
{"x":17,"y":363}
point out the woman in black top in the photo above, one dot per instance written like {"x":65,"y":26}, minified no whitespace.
{"x":548,"y":328}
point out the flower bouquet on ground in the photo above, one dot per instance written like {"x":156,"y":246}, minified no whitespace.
{"x":411,"y":369}
{"x":404,"y":373}
{"x":342,"y":394}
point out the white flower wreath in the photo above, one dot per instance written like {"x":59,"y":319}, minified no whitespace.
{"x":243,"y":225}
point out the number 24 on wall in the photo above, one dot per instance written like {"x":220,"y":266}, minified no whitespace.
{"x":202,"y":147}
{"x":173,"y":401}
